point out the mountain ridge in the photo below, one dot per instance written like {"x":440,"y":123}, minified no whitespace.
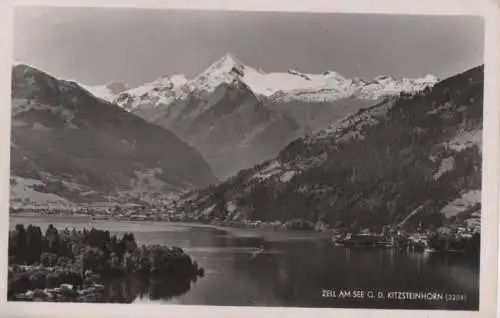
{"x":62,"y":134}
{"x":198,"y":110}
{"x":295,"y":83}
{"x":405,"y":160}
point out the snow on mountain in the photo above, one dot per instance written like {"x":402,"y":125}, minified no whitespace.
{"x":230,"y":110}
{"x":166,"y":90}
{"x":389,"y":86}
{"x":161,"y":91}
{"x":295,"y":85}
{"x":228,"y":69}
{"x":225,"y":70}
{"x":292,"y":85}
{"x":237,"y":116}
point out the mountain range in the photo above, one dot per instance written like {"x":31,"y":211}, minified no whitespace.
{"x":407,"y":160}
{"x":242,"y":144}
{"x":69,"y":146}
{"x":237,"y":116}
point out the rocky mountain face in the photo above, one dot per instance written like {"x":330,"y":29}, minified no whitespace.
{"x":407,"y":160}
{"x":237,"y":116}
{"x":69,"y":146}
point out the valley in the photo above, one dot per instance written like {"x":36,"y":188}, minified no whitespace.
{"x":344,"y":162}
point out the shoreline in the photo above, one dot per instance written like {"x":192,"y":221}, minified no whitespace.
{"x":76,"y":267}
{"x":266,"y":233}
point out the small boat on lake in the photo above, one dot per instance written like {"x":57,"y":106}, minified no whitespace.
{"x":258,"y":252}
{"x":360,"y":240}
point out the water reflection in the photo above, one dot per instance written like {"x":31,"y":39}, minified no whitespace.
{"x":294,"y":277}
{"x":127,"y":290}
{"x":294,"y":272}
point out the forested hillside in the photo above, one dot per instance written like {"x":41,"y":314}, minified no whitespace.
{"x":408,"y":160}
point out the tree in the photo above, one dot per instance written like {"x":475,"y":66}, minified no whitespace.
{"x":114,"y":262}
{"x":93,"y":259}
{"x":52,"y":238}
{"x":34,"y":243}
{"x":128,"y":241}
{"x":48,"y":259}
{"x":18,"y":246}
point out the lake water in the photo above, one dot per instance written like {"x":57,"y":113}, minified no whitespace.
{"x":294,"y":270}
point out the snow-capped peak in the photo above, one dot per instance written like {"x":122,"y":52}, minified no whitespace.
{"x":288,"y":85}
{"x":161,"y":91}
{"x":225,"y":63}
{"x":225,"y":70}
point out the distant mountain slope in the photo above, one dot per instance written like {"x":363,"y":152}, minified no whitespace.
{"x":80,"y":147}
{"x":232,"y":129}
{"x":408,"y":159}
{"x":237,"y":116}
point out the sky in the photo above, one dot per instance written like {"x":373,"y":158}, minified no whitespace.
{"x":134,"y":46}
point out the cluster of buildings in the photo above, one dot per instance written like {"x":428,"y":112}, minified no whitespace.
{"x":133,"y":212}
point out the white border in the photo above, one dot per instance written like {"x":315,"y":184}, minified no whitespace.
{"x":489,"y":248}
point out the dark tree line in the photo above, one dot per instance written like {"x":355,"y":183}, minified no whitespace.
{"x":69,"y":256}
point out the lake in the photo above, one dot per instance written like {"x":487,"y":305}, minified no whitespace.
{"x":296,"y":269}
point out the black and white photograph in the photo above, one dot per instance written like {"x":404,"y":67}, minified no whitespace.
{"x":240,"y":158}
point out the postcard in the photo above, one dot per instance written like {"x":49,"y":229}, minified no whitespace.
{"x":241,"y":159}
